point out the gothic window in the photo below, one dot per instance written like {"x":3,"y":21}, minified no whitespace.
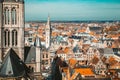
{"x":14,"y":21}
{"x":6,"y":16}
{"x":7,"y":37}
{"x":14,"y":37}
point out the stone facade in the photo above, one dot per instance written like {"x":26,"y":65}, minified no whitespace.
{"x":12,"y":27}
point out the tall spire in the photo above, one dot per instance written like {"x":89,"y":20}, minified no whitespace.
{"x":48,"y":21}
{"x":48,"y":33}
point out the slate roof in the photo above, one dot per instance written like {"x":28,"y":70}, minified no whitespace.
{"x":30,"y":52}
{"x":31,"y":56}
{"x":26,"y":51}
{"x":85,"y":71}
{"x":13,"y":66}
{"x":1,"y":0}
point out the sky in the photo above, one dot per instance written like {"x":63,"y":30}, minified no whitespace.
{"x":72,"y":10}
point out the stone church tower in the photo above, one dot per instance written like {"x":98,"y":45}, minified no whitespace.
{"x":48,"y":34}
{"x":11,"y":27}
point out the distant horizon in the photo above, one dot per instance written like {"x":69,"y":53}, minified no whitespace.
{"x":41,"y":20}
{"x":72,"y":10}
{"x":73,"y":20}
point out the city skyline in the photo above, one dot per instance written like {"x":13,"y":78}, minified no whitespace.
{"x":72,"y":10}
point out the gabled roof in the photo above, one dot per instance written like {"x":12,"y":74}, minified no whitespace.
{"x":72,"y":62}
{"x":84,"y":71}
{"x":12,"y":66}
{"x":66,"y":49}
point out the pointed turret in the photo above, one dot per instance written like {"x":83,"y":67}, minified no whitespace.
{"x":37,"y":42}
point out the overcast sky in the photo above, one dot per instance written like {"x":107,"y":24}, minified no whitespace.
{"x":72,"y":10}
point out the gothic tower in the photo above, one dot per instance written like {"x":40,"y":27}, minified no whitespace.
{"x":48,"y":33}
{"x":12,"y":27}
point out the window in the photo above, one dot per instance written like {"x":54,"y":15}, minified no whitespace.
{"x":14,"y":21}
{"x":46,"y":55}
{"x":14,"y":37}
{"x":7,"y":37}
{"x":6,"y":16}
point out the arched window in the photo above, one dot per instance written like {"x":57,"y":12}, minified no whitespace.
{"x":14,"y":21}
{"x":14,"y":38}
{"x":7,"y":37}
{"x":6,"y":16}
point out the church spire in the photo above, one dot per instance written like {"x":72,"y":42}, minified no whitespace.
{"x":48,"y":33}
{"x":48,"y":22}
